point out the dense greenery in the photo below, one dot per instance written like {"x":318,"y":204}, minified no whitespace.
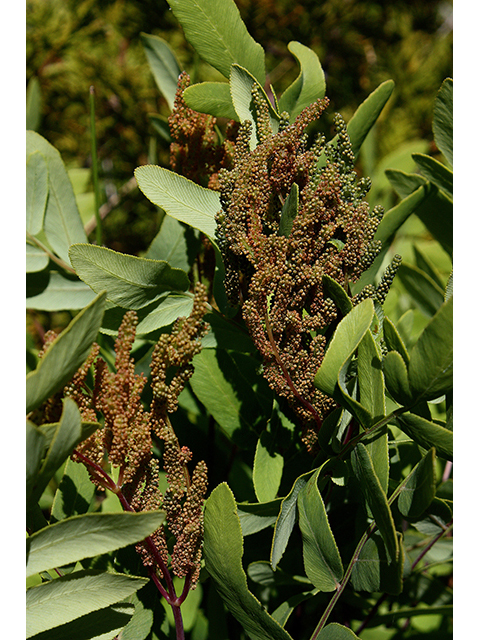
{"x":244,"y":428}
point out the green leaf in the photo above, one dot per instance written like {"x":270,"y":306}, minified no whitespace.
{"x":345,"y":341}
{"x":35,"y":447}
{"x":62,"y":222}
{"x":443,"y":119}
{"x":418,"y":491}
{"x":104,"y":624}
{"x":338,"y":294}
{"x":335,"y":631}
{"x":180,"y":198}
{"x":405,"y":183}
{"x":130,"y":282}
{"x":57,"y":602}
{"x":257,"y":516}
{"x":367,"y":114}
{"x":436,"y":172}
{"x":65,"y":355}
{"x":370,"y":378}
{"x":393,"y":340}
{"x":286,"y":519}
{"x":223,"y":551}
{"x":226,"y":335}
{"x":160,"y":124}
{"x":321,"y":558}
{"x":74,"y":494}
{"x":53,"y":291}
{"x":163,"y":65}
{"x":87,"y":535}
{"x":431,"y":360}
{"x":34,"y":104}
{"x":175,"y":243}
{"x":36,"y":259}
{"x":267,"y":468}
{"x":376,"y":498}
{"x":216,"y":31}
{"x":427,"y":434}
{"x":37,"y":191}
{"x":396,"y":378}
{"x":211,"y":97}
{"x":225,"y":389}
{"x":289,"y":212}
{"x":426,"y":293}
{"x":436,"y":213}
{"x":374,"y":571}
{"x":309,"y":84}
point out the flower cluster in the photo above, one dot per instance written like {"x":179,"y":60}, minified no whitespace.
{"x":292,"y":213}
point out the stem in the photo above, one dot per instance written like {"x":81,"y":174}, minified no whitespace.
{"x":96,"y":189}
{"x":51,"y":255}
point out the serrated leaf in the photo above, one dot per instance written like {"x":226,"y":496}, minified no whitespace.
{"x":286,"y":519}
{"x":52,"y":291}
{"x":321,"y":558}
{"x":180,"y":198}
{"x":223,"y":551}
{"x":216,"y":31}
{"x":418,"y":491}
{"x":87,"y":535}
{"x":345,"y":341}
{"x":427,"y":434}
{"x":443,"y":119}
{"x":267,"y":468}
{"x":130,"y":282}
{"x":37,"y":191}
{"x":309,"y":84}
{"x":430,"y":372}
{"x":62,"y":222}
{"x":211,"y":97}
{"x":59,"y":601}
{"x":376,"y":498}
{"x":396,"y":378}
{"x":289,"y":212}
{"x":163,"y":65}
{"x":65,"y":355}
{"x":436,"y":172}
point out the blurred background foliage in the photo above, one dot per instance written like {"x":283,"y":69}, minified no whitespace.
{"x":73,"y":44}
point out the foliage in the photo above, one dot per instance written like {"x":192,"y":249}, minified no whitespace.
{"x":273,"y":327}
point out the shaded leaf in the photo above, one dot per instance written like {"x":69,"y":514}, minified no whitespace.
{"x":322,"y":561}
{"x":309,"y":84}
{"x":370,"y":377}
{"x":374,"y":569}
{"x":396,"y":378}
{"x":393,"y":339}
{"x":53,"y":291}
{"x":405,"y":183}
{"x":217,"y":32}
{"x":130,"y":282}
{"x":443,"y":119}
{"x":337,"y":293}
{"x":255,"y":517}
{"x":175,"y":243}
{"x":427,"y":434}
{"x":57,"y":602}
{"x":36,"y":258}
{"x":419,"y":489}
{"x":436,"y":172}
{"x":37,"y":191}
{"x":87,"y":535}
{"x":267,"y":468}
{"x":335,"y":631}
{"x":289,"y":212}
{"x":211,"y":97}
{"x":65,"y":355}
{"x":35,"y":447}
{"x":425,"y":292}
{"x":223,"y":551}
{"x":163,"y":65}
{"x":74,"y":494}
{"x":376,"y":498}
{"x":180,"y":198}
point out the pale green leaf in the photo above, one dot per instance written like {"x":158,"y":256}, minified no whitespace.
{"x":130,"y":282}
{"x":404,"y":183}
{"x":87,"y":535}
{"x":74,"y":494}
{"x":163,"y":65}
{"x":267,"y":468}
{"x":443,"y":119}
{"x":37,"y":191}
{"x":211,"y":97}
{"x":36,"y":258}
{"x":431,"y":360}
{"x":34,"y":104}
{"x":223,"y":551}
{"x":53,"y":291}
{"x":175,"y":243}
{"x":321,"y":558}
{"x":309,"y":84}
{"x":393,"y":339}
{"x":216,"y":31}
{"x":65,"y":355}
{"x":57,"y":602}
{"x":180,"y":198}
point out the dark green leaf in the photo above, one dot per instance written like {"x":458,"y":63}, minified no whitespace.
{"x":404,"y":183}
{"x":57,"y":602}
{"x":289,"y":212}
{"x":427,"y":434}
{"x":75,"y":492}
{"x":393,"y":340}
{"x":65,"y":355}
{"x":321,"y":558}
{"x":419,"y":489}
{"x":338,"y":294}
{"x":223,"y":551}
{"x":427,"y":295}
{"x":436,"y":172}
{"x":211,"y":97}
{"x":267,"y":468}
{"x":335,"y":631}
{"x":35,"y":447}
{"x":163,"y":65}
{"x":309,"y":84}
{"x":370,"y":378}
{"x":396,"y":378}
{"x":255,"y":517}
{"x":217,"y":32}
{"x":375,"y":571}
{"x":375,"y":497}
{"x":431,"y":360}
{"x":130,"y":282}
{"x":443,"y":119}
{"x":436,"y":213}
